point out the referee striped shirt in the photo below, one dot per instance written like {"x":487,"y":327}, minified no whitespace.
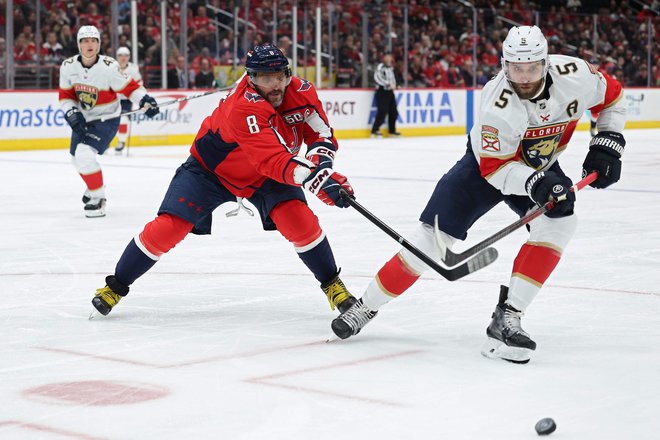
{"x":384,"y":76}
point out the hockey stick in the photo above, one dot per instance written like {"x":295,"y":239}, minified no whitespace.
{"x":176,"y":101}
{"x":481,"y":260}
{"x":452,"y":259}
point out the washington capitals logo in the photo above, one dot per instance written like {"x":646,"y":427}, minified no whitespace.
{"x":304,"y":85}
{"x":253,"y":97}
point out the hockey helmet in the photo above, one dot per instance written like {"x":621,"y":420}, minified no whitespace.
{"x":266,"y":58}
{"x":88,"y":32}
{"x":525,"y":44}
{"x":123,"y":51}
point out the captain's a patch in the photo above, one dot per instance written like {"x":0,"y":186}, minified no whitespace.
{"x":489,"y":138}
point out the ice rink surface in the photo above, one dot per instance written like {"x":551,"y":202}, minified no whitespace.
{"x":224,"y":337}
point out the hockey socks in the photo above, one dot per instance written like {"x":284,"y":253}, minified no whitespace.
{"x":531,"y":268}
{"x":157,"y":238}
{"x":318,"y":257}
{"x":133,"y":264}
{"x":298,"y":224}
{"x":394,"y":278}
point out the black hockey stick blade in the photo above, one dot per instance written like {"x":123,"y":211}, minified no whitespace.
{"x":479,"y":261}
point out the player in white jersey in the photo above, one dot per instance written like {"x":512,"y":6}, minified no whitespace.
{"x":526,"y":117}
{"x":131,"y":71}
{"x":89,"y":84}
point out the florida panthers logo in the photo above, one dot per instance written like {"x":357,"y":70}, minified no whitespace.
{"x":87,"y":95}
{"x":304,"y":85}
{"x":489,"y":138}
{"x":253,"y":97}
{"x":540,"y":144}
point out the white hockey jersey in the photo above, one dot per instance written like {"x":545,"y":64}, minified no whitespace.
{"x":94,"y":89}
{"x":131,"y":71}
{"x":512,"y":138}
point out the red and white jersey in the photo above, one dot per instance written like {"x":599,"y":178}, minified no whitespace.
{"x":131,"y":70}
{"x":94,"y":89}
{"x":512,"y":138}
{"x":246,"y":141}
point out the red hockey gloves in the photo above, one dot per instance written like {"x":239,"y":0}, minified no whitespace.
{"x":604,"y":156}
{"x":76,"y":121}
{"x":149,"y":103}
{"x":548,"y":186}
{"x":321,"y":153}
{"x":325,"y":184}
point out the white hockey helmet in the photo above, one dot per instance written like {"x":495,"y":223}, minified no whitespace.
{"x":123,"y":51}
{"x":88,"y":32}
{"x":525,"y":44}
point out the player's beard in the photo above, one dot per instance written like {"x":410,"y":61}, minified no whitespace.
{"x":528,"y":90}
{"x":274,"y":97}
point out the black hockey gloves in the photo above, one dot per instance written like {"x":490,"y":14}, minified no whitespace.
{"x":76,"y":121}
{"x":546,"y":186}
{"x":151,"y":106}
{"x":604,"y":156}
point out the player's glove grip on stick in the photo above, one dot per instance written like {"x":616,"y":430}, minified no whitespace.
{"x":605,"y":150}
{"x":325,"y":184}
{"x":149,"y":103}
{"x":548,"y":186}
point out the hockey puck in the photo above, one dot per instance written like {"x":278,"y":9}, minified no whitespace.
{"x":545,"y":426}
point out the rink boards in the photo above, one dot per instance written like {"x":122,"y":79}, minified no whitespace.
{"x":31,"y":120}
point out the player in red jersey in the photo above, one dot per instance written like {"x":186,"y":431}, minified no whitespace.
{"x":248,"y":148}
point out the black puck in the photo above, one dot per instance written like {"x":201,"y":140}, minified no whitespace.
{"x":545,"y":426}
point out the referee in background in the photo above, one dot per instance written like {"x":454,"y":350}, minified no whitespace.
{"x":385,"y":100}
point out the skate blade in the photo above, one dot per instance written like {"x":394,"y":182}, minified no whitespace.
{"x":95,"y":214}
{"x":496,"y":349}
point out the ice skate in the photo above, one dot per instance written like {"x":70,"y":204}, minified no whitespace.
{"x":86,"y":197}
{"x":119,"y":149}
{"x":95,"y":207}
{"x":394,"y":134}
{"x":506,"y":338}
{"x":376,"y":135}
{"x":338,"y":295}
{"x":350,"y":323}
{"x":108,"y":297}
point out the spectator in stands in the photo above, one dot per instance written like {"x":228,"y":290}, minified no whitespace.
{"x":205,"y":78}
{"x":176,"y":75}
{"x":24,"y":51}
{"x":51,"y":50}
{"x":204,"y":55}
{"x":68,"y":42}
{"x":201,"y":40}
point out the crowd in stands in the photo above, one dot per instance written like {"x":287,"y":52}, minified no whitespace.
{"x":613,"y":34}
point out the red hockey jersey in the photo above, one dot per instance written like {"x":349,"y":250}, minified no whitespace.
{"x":246,"y":141}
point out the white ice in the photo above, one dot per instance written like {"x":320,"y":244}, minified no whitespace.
{"x":224,"y":337}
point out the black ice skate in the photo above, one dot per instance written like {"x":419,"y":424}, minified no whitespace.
{"x":95,"y":207}
{"x":120,"y":147}
{"x":506,"y":339}
{"x":338,"y":295}
{"x":86,"y":197}
{"x":350,"y":323}
{"x":108,"y":297}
